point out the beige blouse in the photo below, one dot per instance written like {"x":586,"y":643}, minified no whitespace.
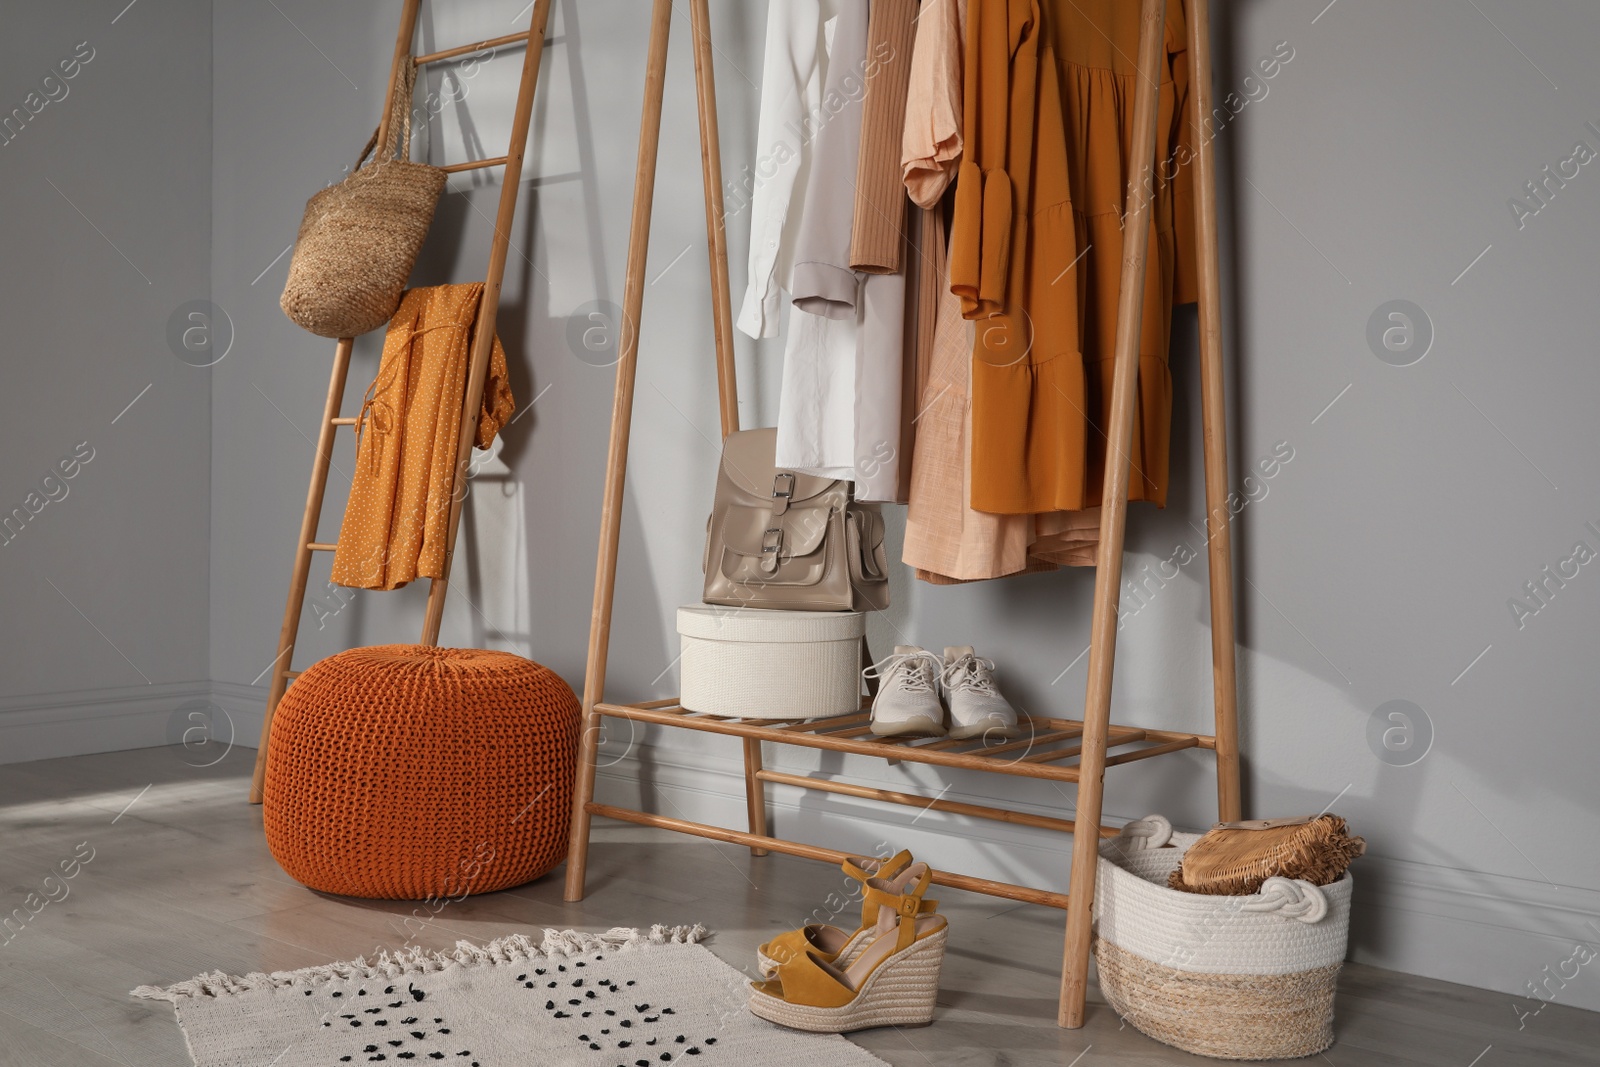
{"x":931,"y":145}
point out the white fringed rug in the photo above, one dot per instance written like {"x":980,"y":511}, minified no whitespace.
{"x":625,"y":998}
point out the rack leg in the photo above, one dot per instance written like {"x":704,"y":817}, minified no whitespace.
{"x":716,"y":231}
{"x":755,"y":792}
{"x":1113,"y":519}
{"x":302,"y":558}
{"x":1213,"y":415}
{"x":605,"y":577}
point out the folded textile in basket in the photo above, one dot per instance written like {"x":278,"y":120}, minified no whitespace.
{"x":1236,"y":858}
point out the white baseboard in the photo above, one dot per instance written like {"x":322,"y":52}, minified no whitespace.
{"x":243,"y":709}
{"x":1482,"y":930}
{"x":82,"y":722}
{"x":77,"y":723}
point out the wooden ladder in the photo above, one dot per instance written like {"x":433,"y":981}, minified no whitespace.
{"x":1095,"y":733}
{"x":483,"y":339}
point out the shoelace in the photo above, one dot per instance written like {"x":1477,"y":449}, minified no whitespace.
{"x":971,"y":672}
{"x":916,"y":672}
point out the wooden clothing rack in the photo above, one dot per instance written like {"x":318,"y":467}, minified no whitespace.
{"x":1062,"y":750}
{"x":483,"y":340}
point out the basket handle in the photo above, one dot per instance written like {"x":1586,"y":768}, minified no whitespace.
{"x":1152,"y":831}
{"x":398,"y":143}
{"x":1294,"y":898}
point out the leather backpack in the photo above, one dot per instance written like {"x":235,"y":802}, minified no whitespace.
{"x":787,"y":540}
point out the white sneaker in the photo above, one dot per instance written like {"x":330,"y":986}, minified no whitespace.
{"x":908,"y":693}
{"x":976,"y":707}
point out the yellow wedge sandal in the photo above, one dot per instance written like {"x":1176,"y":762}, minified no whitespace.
{"x":839,"y":946}
{"x":894,"y":980}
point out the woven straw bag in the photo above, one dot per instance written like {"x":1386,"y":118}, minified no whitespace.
{"x":360,"y":237}
{"x":1233,"y":977}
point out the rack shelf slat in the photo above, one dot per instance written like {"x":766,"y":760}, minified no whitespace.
{"x":849,"y":734}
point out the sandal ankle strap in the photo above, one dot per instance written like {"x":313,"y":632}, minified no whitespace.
{"x":862,"y":869}
{"x":906,"y":905}
{"x":897,"y":902}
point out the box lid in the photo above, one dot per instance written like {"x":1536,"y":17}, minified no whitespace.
{"x":712,"y":622}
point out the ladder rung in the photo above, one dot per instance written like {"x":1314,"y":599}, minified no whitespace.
{"x":461,"y":50}
{"x":474,"y":164}
{"x":319,"y":546}
{"x":290,"y":675}
{"x":344,"y":422}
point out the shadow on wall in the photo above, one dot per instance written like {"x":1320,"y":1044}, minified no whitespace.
{"x":522,"y":577}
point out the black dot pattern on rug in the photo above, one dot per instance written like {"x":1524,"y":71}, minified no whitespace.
{"x":641,"y":1032}
{"x":411,"y":1039}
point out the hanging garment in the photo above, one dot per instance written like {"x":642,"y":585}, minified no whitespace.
{"x":930,"y":147}
{"x":880,"y":236}
{"x":877,"y":238}
{"x":1012,"y":246}
{"x":816,"y":401}
{"x":823,"y":282}
{"x":1096,"y":47}
{"x":1047,"y":114}
{"x":1070,"y":538}
{"x":817,"y":405}
{"x":880,"y":369}
{"x":791,"y":96}
{"x":946,"y":540}
{"x":839,"y":410}
{"x":397,"y":521}
{"x":925,"y":279}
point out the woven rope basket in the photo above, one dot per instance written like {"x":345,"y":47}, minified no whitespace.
{"x":1232,"y":977}
{"x":407,"y":772}
{"x":359,"y":238}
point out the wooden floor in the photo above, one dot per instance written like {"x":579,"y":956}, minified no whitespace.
{"x":181,"y":882}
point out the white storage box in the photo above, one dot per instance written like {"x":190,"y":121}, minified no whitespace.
{"x":759,"y":664}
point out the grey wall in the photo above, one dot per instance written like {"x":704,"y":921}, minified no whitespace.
{"x":106,"y":181}
{"x":1376,"y":565}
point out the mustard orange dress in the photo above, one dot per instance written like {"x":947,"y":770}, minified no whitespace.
{"x":397,"y":522}
{"x":1036,"y":246}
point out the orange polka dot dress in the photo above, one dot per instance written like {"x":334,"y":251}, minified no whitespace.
{"x":396,"y":524}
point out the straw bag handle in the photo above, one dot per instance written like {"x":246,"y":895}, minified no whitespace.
{"x":398,"y":144}
{"x":1294,"y":898}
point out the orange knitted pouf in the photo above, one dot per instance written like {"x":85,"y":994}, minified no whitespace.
{"x":408,"y":772}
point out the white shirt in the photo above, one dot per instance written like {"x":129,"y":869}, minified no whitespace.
{"x":817,"y":408}
{"x":817,"y":405}
{"x":795,"y":61}
{"x":839,"y":406}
